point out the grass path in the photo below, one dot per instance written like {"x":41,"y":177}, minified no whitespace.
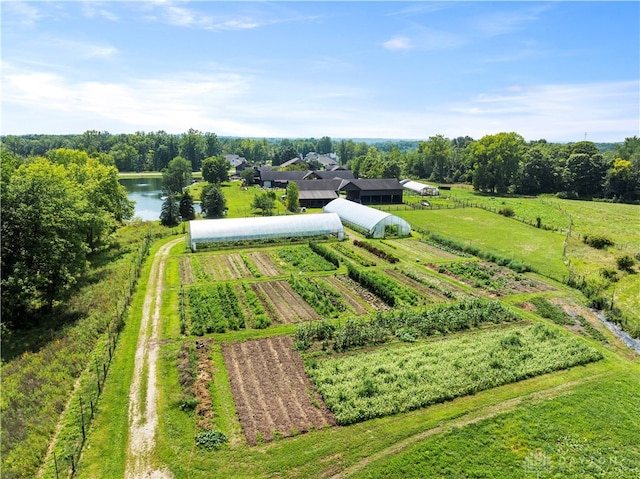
{"x":143,"y":417}
{"x":478,"y":415}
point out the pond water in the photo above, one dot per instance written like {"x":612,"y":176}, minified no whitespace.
{"x":147,"y":193}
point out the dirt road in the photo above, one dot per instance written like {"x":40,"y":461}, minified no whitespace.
{"x":143,"y":417}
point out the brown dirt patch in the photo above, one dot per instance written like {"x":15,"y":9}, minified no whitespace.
{"x":186,"y":271}
{"x":264,"y":263}
{"x":288,"y":306}
{"x":371,"y":299}
{"x":349,"y":296}
{"x":272,"y":393}
{"x":204,"y":377}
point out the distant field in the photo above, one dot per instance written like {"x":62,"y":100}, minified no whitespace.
{"x":510,"y":238}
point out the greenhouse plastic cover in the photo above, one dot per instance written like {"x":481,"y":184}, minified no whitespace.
{"x":367,"y":218}
{"x":416,"y":186}
{"x":237,"y":229}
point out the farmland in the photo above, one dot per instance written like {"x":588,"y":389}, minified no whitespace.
{"x":308,"y":368}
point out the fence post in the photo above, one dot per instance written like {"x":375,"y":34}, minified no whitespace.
{"x":55,"y":463}
{"x":98,"y":378}
{"x":82,"y":423}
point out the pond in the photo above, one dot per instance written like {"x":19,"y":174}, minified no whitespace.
{"x":147,"y":193}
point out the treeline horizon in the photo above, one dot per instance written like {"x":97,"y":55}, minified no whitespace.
{"x":501,"y":163}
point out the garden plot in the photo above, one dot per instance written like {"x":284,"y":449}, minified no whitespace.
{"x":417,"y":250}
{"x":264,"y":263}
{"x":495,"y":279}
{"x":355,"y":290}
{"x":225,"y":267}
{"x":349,"y":295}
{"x":283,"y":303}
{"x":429,"y":292}
{"x":272,"y":394}
{"x":399,"y":378}
{"x":187,"y":276}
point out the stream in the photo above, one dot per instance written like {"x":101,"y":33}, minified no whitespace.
{"x":620,"y":333}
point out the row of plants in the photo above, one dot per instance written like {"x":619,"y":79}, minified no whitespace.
{"x":473,"y":250}
{"x":548,"y":310}
{"x":353,"y":255}
{"x":325,"y":252}
{"x":305,"y":259}
{"x":407,"y":324}
{"x":250,"y":266}
{"x":198,"y":270}
{"x":403,"y":377}
{"x":476,"y":274}
{"x":376,"y":251}
{"x":325,"y":300}
{"x":214,"y":308}
{"x":429,"y":283}
{"x":259,"y":316}
{"x":383,"y":287}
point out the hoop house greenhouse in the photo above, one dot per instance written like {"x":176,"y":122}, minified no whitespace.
{"x":243,"y":229}
{"x":371,"y":220}
{"x":420,"y":188}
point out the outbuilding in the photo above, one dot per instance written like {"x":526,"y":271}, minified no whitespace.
{"x":370,"y":220}
{"x":420,"y":188}
{"x":269,"y":227}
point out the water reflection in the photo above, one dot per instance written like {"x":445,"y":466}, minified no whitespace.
{"x":147,"y":193}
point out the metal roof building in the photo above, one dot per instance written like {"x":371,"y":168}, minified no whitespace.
{"x":371,"y":220}
{"x":243,"y":229}
{"x":420,"y":188}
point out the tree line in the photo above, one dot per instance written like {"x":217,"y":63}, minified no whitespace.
{"x":499,"y":163}
{"x":56,"y":209}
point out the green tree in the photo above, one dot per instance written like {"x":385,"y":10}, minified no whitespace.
{"x":212,"y":145}
{"x":265,"y":202}
{"x":437,"y":153}
{"x":293,"y":195}
{"x":585,"y":174}
{"x":215,"y":169}
{"x":125,"y":156}
{"x":247,"y":176}
{"x":537,"y":173}
{"x":213,"y":202}
{"x":324,"y":145}
{"x":43,"y":248}
{"x":187,"y":212}
{"x":170,"y":212}
{"x":622,"y":182}
{"x":192,"y":148}
{"x":495,"y":161}
{"x":177,"y":175}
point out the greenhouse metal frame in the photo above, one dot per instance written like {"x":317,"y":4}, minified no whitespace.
{"x":369,"y":219}
{"x":420,"y":188}
{"x":269,"y":227}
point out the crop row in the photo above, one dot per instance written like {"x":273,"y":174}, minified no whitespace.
{"x":250,"y":266}
{"x":326,"y":253}
{"x":326,"y":301}
{"x":376,"y":251}
{"x":353,"y":255}
{"x":304,"y":259}
{"x":260,"y":318}
{"x":405,"y":324}
{"x":384,"y":287}
{"x":403,"y":377}
{"x":214,"y":308}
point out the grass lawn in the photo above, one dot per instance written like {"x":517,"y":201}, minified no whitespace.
{"x":510,"y":238}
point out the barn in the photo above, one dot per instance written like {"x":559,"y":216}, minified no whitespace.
{"x":269,"y":227}
{"x":370,"y":220}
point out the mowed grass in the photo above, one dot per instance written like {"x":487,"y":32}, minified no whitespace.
{"x":539,"y":248}
{"x":569,"y":436}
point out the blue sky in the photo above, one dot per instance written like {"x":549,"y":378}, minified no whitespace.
{"x":410,"y":70}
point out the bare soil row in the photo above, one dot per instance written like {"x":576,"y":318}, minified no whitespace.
{"x":273,"y":395}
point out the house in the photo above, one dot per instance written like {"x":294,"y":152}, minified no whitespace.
{"x":237,"y":162}
{"x":293,"y":161}
{"x":373,"y":191}
{"x":329,"y":175}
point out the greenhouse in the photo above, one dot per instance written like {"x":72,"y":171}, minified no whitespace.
{"x":420,"y":188}
{"x":372,"y":221}
{"x":244,"y":229}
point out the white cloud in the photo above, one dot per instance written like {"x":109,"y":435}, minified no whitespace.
{"x":398,"y":43}
{"x":501,"y":23}
{"x":22,"y":13}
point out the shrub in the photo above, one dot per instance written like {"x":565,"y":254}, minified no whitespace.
{"x":597,"y":241}
{"x":211,"y":439}
{"x":625,"y":262}
{"x":507,"y":211}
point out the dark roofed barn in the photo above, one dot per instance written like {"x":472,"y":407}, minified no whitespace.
{"x":373,"y":191}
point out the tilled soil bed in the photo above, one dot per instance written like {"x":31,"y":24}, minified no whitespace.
{"x":273,"y":395}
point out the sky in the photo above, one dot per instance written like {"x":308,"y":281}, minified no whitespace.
{"x":560,"y":71}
